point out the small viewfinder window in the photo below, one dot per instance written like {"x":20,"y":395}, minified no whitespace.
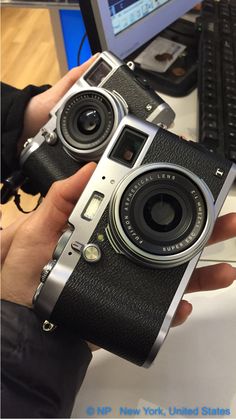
{"x":98,"y":73}
{"x":128,"y":146}
{"x":92,"y":206}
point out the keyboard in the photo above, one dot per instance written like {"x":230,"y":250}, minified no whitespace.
{"x":217,"y":77}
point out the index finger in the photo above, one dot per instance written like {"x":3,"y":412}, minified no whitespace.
{"x":225,"y":228}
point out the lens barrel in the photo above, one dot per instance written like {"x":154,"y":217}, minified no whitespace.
{"x":161,"y":216}
{"x":86,"y":120}
{"x":162,"y":210}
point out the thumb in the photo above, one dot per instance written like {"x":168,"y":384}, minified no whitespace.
{"x":183,"y":312}
{"x":56,"y":92}
{"x":52,"y":214}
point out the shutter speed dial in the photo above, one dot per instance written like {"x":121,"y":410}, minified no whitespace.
{"x":61,"y":244}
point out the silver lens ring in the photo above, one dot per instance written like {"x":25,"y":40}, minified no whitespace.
{"x":119,"y":111}
{"x":128,"y":247}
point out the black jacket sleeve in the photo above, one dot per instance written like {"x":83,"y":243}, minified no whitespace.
{"x":41,"y":371}
{"x":13,"y":104}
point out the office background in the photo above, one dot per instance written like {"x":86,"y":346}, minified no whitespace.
{"x":204,"y":373}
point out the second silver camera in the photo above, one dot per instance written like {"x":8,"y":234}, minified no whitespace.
{"x":85,"y":119}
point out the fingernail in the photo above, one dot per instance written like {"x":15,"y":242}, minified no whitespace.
{"x":190,"y":309}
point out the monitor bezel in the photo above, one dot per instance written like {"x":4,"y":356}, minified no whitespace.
{"x":98,"y":24}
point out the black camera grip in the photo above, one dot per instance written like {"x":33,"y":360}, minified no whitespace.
{"x":48,"y":164}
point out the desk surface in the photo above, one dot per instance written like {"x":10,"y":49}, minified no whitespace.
{"x":196,"y":365}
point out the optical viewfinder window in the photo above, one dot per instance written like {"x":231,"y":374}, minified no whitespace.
{"x":92,"y":206}
{"x":128,"y":146}
{"x":98,"y":73}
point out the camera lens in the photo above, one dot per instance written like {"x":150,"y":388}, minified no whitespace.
{"x":161,"y":212}
{"x":87,"y":120}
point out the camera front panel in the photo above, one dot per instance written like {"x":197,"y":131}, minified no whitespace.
{"x":123,"y":304}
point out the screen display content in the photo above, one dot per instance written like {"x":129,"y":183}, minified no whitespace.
{"x":125,"y":13}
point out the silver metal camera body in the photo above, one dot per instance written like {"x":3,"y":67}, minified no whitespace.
{"x":85,"y":119}
{"x":133,"y":240}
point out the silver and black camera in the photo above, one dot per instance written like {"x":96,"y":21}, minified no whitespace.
{"x":85,"y":119}
{"x":133,"y":240}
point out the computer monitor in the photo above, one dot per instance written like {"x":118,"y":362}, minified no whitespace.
{"x":123,"y":26}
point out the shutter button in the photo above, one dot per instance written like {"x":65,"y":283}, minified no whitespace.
{"x":91,"y":253}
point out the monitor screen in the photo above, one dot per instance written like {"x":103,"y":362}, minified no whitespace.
{"x":123,"y":26}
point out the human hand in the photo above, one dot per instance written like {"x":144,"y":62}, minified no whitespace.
{"x":28,"y":244}
{"x":7,"y":235}
{"x":211,"y":277}
{"x":38,"y":109}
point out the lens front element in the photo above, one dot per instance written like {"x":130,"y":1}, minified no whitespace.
{"x":162,"y":212}
{"x":89,"y":121}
